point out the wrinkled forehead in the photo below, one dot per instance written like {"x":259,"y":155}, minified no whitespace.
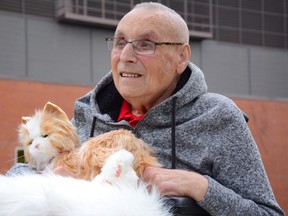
{"x":144,"y":24}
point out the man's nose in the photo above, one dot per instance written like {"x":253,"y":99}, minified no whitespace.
{"x":128,"y":53}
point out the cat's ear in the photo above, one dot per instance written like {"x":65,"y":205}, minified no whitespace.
{"x":25,"y":119}
{"x":52,"y":108}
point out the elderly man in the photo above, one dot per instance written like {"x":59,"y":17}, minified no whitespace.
{"x":152,"y":82}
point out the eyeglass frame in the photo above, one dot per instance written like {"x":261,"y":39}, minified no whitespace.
{"x":111,"y":48}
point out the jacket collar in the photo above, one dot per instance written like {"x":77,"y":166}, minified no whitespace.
{"x":109,"y":100}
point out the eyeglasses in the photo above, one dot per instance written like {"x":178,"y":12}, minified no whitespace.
{"x":140,"y":47}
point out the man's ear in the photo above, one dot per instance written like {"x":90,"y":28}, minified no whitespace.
{"x":184,"y":54}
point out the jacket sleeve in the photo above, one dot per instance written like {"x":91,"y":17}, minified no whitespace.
{"x":238,"y":184}
{"x":20,"y":169}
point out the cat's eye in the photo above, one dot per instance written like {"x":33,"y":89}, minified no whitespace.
{"x":30,"y":142}
{"x":45,"y":135}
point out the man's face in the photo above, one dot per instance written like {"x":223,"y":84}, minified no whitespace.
{"x":145,"y":78}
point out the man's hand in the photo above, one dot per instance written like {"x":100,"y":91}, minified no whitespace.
{"x":174,"y":182}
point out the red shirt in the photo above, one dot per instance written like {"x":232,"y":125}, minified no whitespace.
{"x":126,"y":114}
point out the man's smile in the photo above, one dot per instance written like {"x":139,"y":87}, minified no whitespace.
{"x":130,"y":75}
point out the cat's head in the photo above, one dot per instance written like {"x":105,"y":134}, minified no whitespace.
{"x":46,"y":134}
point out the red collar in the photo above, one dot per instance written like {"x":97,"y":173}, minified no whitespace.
{"x":126,"y":114}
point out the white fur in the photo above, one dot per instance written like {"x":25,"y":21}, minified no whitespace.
{"x":118,"y":169}
{"x":33,"y":125}
{"x":51,"y":195}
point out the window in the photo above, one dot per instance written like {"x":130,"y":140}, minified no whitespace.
{"x":20,"y":158}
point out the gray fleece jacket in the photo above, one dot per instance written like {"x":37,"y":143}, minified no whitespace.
{"x":211,"y":137}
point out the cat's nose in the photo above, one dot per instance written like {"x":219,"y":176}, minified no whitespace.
{"x":37,"y":146}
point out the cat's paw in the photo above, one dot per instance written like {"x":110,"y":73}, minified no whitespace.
{"x":118,"y":169}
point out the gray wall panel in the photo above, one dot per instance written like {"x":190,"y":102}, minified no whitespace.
{"x":41,"y":49}
{"x":58,"y":53}
{"x":12,"y":45}
{"x":196,"y":53}
{"x":269,"y":72}
{"x":101,"y":55}
{"x":225,"y":67}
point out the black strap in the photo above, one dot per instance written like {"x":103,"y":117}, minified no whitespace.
{"x":173,"y":128}
{"x":93,"y":127}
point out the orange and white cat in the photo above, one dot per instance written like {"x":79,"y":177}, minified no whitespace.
{"x":113,"y":162}
{"x":50,"y":140}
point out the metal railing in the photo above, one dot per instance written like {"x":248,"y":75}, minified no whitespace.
{"x":197,"y":14}
{"x":32,"y":7}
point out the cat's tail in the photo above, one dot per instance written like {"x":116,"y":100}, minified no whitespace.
{"x":39,"y":195}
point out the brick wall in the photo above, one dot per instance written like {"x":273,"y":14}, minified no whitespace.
{"x":268,"y":123}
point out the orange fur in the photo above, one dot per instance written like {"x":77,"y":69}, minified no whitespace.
{"x":95,"y":151}
{"x":58,"y":133}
